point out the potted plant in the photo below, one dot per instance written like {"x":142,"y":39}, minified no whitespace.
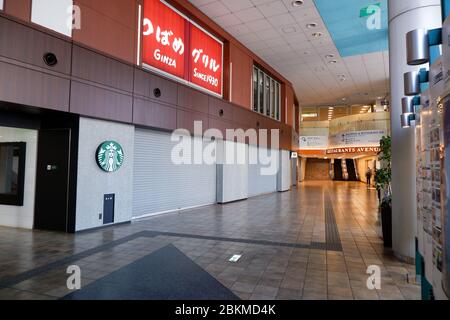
{"x":383,"y":185}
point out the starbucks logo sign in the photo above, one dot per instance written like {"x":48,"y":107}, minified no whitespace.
{"x":110,"y":156}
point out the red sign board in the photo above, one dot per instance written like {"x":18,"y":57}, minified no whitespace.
{"x":354,"y":150}
{"x":177,"y":47}
{"x":164,"y":43}
{"x":205,"y":65}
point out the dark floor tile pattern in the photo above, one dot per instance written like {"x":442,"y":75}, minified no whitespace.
{"x":166,"y":274}
{"x":333,"y":240}
{"x":10,"y":281}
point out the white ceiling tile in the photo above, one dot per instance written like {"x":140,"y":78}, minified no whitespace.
{"x":237,"y":5}
{"x":273,"y":8}
{"x":215,"y":9}
{"x":248,"y":38}
{"x":199,"y":3}
{"x":306,"y":14}
{"x":259,"y":2}
{"x":306,"y":5}
{"x":281,"y":20}
{"x":267,"y":34}
{"x":227,"y":20}
{"x":258,"y":25}
{"x":239,"y":29}
{"x":249,"y":14}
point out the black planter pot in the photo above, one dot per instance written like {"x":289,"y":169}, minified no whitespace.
{"x":386,"y":225}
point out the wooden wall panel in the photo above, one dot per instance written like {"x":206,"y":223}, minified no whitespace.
{"x":145,"y":83}
{"x":29,"y":46}
{"x":100,"y":103}
{"x":290,"y":102}
{"x":148,"y":113}
{"x":220,"y":109}
{"x":192,"y":99}
{"x":185,"y":120}
{"x":317,"y":169}
{"x":90,"y":66}
{"x":33,"y":88}
{"x":242,"y":70}
{"x":245,"y":118}
{"x":109,"y":26}
{"x":102,"y":87}
{"x":221,"y":125}
{"x":168,"y":89}
{"x":20,"y":9}
{"x":141,"y":83}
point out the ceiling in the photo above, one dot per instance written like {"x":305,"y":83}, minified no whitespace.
{"x":330,"y":113}
{"x":322,"y":73}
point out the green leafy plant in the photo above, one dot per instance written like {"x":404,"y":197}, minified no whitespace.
{"x":383,"y":175}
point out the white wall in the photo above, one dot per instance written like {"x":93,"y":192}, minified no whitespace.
{"x":14,"y":216}
{"x":232,"y":179}
{"x":284,"y":177}
{"x":93,"y":183}
{"x":53,"y":14}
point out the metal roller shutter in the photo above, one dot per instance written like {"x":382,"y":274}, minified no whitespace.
{"x":160,"y":185}
{"x":260,"y":184}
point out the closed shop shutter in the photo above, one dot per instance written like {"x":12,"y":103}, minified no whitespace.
{"x":257,"y":183}
{"x":160,"y":185}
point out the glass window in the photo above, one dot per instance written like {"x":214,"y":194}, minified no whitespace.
{"x":272,"y":99}
{"x":255,"y":89}
{"x":278,"y":102}
{"x":1,"y":4}
{"x":261,"y":91}
{"x":266,"y":94}
{"x":12,"y":173}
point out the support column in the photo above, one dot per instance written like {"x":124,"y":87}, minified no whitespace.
{"x":405,"y":16}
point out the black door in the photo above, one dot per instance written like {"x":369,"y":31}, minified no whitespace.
{"x":338,"y":175}
{"x":108,"y":208}
{"x":52,"y":180}
{"x":351,"y":170}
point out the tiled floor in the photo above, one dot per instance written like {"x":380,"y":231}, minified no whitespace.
{"x":314,"y":242}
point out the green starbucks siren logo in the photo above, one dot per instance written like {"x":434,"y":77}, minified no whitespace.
{"x":110,"y":156}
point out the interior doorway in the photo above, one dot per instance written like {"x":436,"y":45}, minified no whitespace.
{"x":52,"y":180}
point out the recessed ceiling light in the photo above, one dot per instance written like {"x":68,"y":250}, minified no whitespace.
{"x":317,"y":34}
{"x":311,"y":25}
{"x":332,"y":62}
{"x":297,"y":3}
{"x":329,"y":56}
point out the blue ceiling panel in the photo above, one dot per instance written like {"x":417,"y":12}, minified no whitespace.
{"x":357,"y":26}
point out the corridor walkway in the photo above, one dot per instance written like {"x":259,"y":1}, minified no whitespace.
{"x":314,"y":242}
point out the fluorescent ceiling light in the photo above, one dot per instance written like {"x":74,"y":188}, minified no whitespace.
{"x":309,"y":115}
